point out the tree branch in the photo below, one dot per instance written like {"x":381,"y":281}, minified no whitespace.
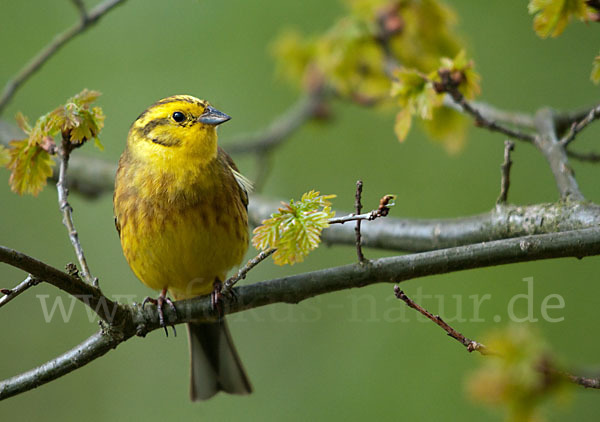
{"x":65,"y":208}
{"x":415,"y":235}
{"x":280,"y":129}
{"x":590,"y":157}
{"x":579,"y":122}
{"x":450,"y":87}
{"x":86,"y":293}
{"x":10,"y":294}
{"x":82,"y":354}
{"x":133,"y":320}
{"x":60,"y":40}
{"x":473,"y":345}
{"x":358,"y":208}
{"x":506,"y":165}
{"x":548,"y":144}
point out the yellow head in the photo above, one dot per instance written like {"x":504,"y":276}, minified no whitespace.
{"x":176,"y":127}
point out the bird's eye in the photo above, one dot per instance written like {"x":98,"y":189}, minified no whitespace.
{"x":178,"y":116}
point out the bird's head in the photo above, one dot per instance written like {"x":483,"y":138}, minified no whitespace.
{"x":177,"y":126}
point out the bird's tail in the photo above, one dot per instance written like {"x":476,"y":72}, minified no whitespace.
{"x":216,"y":365}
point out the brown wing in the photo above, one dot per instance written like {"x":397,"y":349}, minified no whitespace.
{"x":244,"y":185}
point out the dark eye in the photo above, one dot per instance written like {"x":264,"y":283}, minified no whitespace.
{"x":178,"y":116}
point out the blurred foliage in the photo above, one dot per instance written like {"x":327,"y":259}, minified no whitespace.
{"x":295,"y":229}
{"x":520,"y":378}
{"x":552,"y":16}
{"x":30,"y":160}
{"x":356,"y":56}
{"x":595,"y":76}
{"x":419,"y":95}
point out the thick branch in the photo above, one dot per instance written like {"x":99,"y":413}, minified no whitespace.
{"x":82,"y":354}
{"x":548,"y":144}
{"x":293,"y":289}
{"x":60,"y":40}
{"x":414,"y":235}
{"x":86,"y":293}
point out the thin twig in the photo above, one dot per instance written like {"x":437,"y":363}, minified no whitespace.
{"x":382,"y":211}
{"x":471,"y":345}
{"x":448,"y":85}
{"x":10,"y":294}
{"x":241,"y":274}
{"x":586,"y":382}
{"x":280,"y":129}
{"x":59,"y":41}
{"x":82,"y":10}
{"x":590,"y":157}
{"x":548,"y":144}
{"x":358,"y":207}
{"x":505,"y":168}
{"x":67,"y":212}
{"x":578,"y":126}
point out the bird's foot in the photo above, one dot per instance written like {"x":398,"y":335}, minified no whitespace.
{"x":160,"y":304}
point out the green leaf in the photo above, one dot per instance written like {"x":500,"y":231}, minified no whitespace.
{"x":31,"y":166}
{"x":552,"y":16}
{"x":78,"y":120}
{"x":415,"y":92}
{"x":295,"y":229}
{"x":30,"y":162}
{"x":595,"y":76}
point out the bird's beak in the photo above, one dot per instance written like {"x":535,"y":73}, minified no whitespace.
{"x":212,"y":116}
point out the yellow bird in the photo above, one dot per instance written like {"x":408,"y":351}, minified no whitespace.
{"x":181,"y":212}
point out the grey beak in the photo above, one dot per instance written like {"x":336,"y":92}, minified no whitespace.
{"x":212,"y":116}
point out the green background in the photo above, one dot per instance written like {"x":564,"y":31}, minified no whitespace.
{"x":341,"y":356}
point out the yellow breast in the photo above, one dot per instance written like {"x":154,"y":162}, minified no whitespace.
{"x":181,"y":239}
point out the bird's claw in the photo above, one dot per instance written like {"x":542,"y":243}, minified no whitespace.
{"x":160,"y":304}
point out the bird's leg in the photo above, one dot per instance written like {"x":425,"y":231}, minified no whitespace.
{"x":216,"y":297}
{"x":160,"y":304}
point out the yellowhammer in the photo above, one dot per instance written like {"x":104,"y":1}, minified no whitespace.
{"x":181,"y":213}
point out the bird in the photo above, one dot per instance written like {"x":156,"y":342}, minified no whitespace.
{"x":180,"y":206}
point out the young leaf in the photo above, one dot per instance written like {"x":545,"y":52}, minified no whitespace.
{"x":30,"y":161}
{"x":295,"y":229}
{"x":462,"y":70}
{"x":552,"y":16}
{"x":78,"y":121}
{"x":30,"y":165}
